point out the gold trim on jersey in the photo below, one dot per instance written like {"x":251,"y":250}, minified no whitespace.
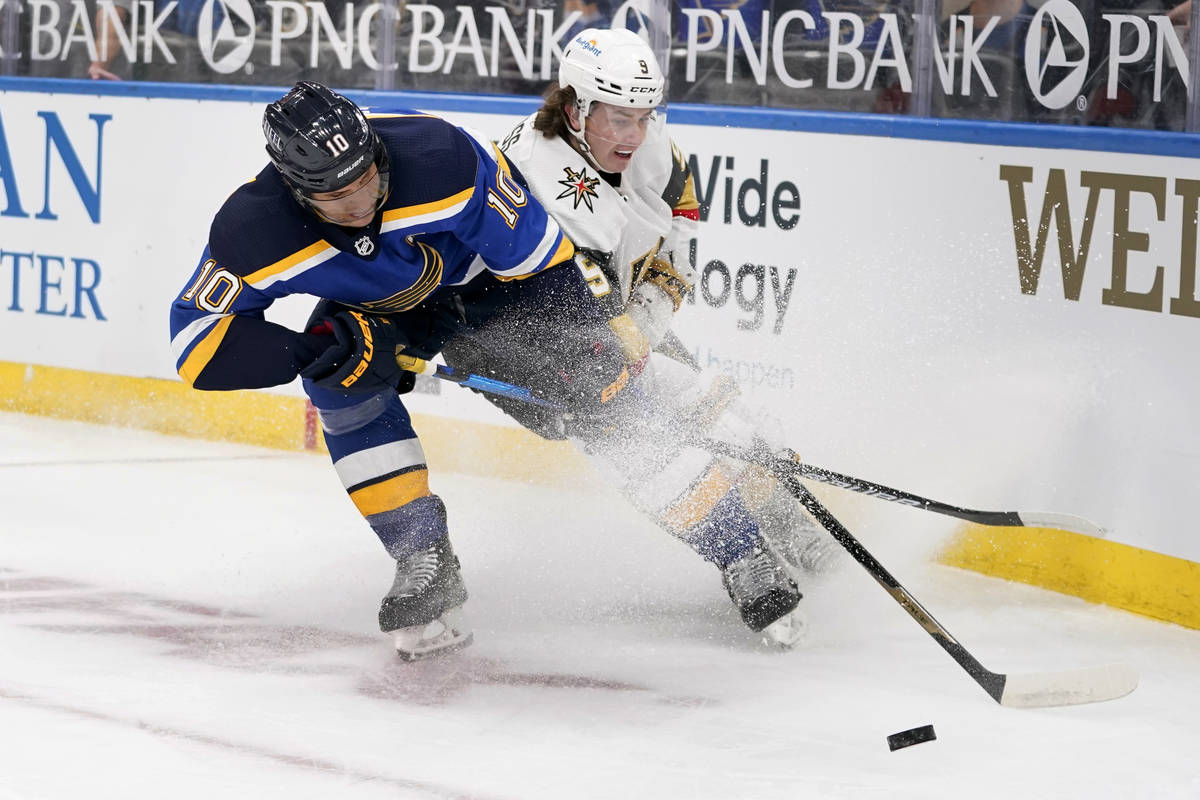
{"x":420,"y":213}
{"x":423,"y":286}
{"x":566,"y":249}
{"x":317,"y":252}
{"x":687,"y":199}
{"x":515,"y":192}
{"x":203,"y":352}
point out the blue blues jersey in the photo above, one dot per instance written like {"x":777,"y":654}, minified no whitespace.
{"x":454,"y":209}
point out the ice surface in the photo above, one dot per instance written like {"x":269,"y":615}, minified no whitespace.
{"x":185,"y":619}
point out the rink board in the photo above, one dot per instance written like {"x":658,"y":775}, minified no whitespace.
{"x":878,"y":285}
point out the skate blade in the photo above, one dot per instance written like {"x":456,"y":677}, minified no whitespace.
{"x":445,"y":634}
{"x":787,"y":632}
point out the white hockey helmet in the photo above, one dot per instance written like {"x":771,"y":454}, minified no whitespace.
{"x":611,"y":66}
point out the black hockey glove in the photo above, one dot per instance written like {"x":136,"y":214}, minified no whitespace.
{"x":589,"y":376}
{"x":362,"y":357}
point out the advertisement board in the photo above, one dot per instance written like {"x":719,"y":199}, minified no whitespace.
{"x":999,"y":326}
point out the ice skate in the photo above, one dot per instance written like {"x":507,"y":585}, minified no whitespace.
{"x":765,"y":596}
{"x":787,"y":631}
{"x":796,"y":537}
{"x":446,"y":633}
{"x":423,"y":609}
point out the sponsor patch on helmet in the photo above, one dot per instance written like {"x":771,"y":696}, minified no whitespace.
{"x":589,"y":45}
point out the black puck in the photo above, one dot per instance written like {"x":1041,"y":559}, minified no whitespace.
{"x":910,"y":737}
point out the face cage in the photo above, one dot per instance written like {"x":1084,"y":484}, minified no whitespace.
{"x":382,"y":166}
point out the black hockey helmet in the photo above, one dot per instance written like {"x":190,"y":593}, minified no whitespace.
{"x":319,"y":140}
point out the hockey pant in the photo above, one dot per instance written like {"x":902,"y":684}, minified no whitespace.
{"x":720,"y":507}
{"x":715,"y":505}
{"x":376,"y":452}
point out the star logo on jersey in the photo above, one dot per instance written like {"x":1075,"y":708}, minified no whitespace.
{"x":364,"y":246}
{"x":580,"y":188}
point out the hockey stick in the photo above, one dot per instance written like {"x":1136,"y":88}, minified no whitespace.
{"x":1016,"y":519}
{"x":472,"y":381}
{"x":1030,"y":690}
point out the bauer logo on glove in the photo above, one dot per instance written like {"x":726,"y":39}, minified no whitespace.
{"x":367,"y":353}
{"x":362,"y":357}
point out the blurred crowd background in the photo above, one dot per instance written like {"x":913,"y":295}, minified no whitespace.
{"x":1119,"y":63}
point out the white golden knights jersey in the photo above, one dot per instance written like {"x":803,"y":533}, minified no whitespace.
{"x":453,"y":210}
{"x":631,"y":230}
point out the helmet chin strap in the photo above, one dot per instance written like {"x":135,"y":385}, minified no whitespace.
{"x":581,"y":144}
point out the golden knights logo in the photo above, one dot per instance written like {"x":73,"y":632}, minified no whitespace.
{"x":580,"y":186}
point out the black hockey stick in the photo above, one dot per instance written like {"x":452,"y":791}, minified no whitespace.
{"x":1030,"y":690}
{"x":1018,"y":519}
{"x":1025,"y":519}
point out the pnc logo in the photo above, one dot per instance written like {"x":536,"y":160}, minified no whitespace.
{"x":1066,"y":27}
{"x":227,"y":49}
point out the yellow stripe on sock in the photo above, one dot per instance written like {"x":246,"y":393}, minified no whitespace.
{"x":693,"y":507}
{"x":392,"y":493}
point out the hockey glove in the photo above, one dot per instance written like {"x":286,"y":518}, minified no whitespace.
{"x":362,"y":357}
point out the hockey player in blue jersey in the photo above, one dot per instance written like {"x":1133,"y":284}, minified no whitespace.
{"x":411,"y":233}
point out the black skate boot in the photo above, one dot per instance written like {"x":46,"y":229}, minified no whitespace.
{"x":766,"y":597}
{"x":796,"y":537}
{"x":423,"y":609}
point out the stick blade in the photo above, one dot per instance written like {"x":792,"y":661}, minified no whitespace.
{"x":1063,"y":522}
{"x":1070,"y":688}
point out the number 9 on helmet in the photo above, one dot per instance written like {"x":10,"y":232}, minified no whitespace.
{"x":611,"y":66}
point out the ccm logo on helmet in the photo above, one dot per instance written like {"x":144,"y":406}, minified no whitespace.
{"x":643,"y":89}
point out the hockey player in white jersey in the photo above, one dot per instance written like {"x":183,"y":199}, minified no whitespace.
{"x":598,"y":156}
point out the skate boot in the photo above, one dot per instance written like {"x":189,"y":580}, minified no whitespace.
{"x":766,"y":597}
{"x":796,"y":537}
{"x":423,"y":609}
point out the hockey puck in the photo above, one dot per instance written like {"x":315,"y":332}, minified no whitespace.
{"x":910,"y":737}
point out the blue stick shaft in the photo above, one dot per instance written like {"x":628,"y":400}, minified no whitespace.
{"x":492,"y":386}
